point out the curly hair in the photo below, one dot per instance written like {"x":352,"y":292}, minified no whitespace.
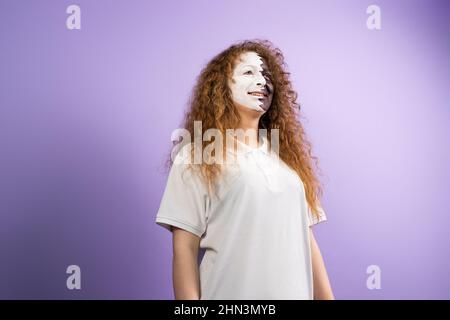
{"x":211,"y":103}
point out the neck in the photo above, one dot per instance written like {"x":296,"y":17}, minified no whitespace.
{"x":250,"y":124}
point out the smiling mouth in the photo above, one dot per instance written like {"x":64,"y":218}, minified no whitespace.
{"x":257,"y":94}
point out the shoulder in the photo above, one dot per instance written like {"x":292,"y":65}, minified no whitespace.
{"x":184,"y":167}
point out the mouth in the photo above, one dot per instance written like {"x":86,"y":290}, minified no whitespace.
{"x":258,"y":94}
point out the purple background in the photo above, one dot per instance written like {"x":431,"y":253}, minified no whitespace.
{"x":86,"y":117}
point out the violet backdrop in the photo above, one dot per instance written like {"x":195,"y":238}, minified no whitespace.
{"x":86,"y":117}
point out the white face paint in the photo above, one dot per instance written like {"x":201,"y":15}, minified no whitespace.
{"x":252,"y":86}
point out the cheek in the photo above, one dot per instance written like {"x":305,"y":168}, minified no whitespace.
{"x":240,"y":86}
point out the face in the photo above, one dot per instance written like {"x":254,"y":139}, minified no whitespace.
{"x":252,"y":86}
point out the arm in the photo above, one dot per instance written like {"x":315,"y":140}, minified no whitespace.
{"x":186,"y":282}
{"x":321,"y":283}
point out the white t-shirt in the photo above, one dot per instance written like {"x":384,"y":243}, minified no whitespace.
{"x":256,"y":236}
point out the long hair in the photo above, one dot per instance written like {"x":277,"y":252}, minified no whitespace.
{"x":211,"y":103}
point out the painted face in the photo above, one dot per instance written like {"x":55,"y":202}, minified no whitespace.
{"x":252,"y":86}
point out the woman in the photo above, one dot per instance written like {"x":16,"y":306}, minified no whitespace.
{"x":253,"y":215}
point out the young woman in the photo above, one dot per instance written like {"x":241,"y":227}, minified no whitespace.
{"x":252,"y":216}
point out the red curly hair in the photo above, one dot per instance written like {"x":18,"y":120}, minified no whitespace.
{"x":211,"y":103}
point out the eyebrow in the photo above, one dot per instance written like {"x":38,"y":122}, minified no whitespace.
{"x":248,"y":65}
{"x":253,"y":66}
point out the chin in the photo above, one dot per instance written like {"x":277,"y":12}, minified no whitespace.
{"x":259,"y":110}
{"x":262,"y":109}
{"x":255,"y":109}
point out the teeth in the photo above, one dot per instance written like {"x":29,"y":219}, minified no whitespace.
{"x":257,"y":94}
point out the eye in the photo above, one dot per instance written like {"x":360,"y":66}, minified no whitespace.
{"x":248,"y":72}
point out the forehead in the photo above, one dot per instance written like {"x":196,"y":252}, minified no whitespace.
{"x":250,"y":58}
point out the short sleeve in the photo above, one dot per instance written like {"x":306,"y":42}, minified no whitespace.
{"x":313,"y":220}
{"x":184,"y":201}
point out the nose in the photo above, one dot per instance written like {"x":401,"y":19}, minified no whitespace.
{"x":261,"y":81}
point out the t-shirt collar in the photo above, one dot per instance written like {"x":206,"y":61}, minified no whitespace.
{"x":263,"y":148}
